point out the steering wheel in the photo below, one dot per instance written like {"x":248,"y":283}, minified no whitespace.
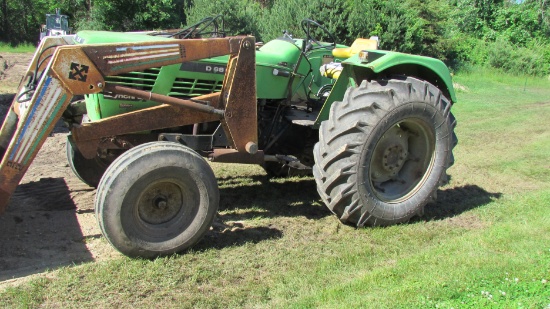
{"x":199,"y":29}
{"x":310,"y":26}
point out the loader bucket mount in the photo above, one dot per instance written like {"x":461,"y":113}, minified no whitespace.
{"x":61,"y":70}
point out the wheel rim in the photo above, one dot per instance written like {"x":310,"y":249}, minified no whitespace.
{"x":160,"y":202}
{"x":163,"y":209}
{"x":402,"y":160}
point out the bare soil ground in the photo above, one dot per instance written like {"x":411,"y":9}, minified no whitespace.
{"x":50,"y":219}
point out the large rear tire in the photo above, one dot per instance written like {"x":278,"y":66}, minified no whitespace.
{"x":384,"y":151}
{"x":156,"y":199}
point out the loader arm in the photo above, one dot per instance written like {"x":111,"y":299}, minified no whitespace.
{"x":63,"y":70}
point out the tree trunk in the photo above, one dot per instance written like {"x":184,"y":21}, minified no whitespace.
{"x":4,"y":34}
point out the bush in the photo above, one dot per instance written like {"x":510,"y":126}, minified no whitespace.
{"x":288,"y":14}
{"x":504,"y":55}
{"x":240,"y":16}
{"x":285,"y":15}
{"x":387,"y":20}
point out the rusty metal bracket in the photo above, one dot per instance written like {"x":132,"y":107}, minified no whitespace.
{"x":87,"y":136}
{"x":239,"y":99}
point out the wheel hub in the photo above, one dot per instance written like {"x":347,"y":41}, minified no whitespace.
{"x":394,"y":158}
{"x":400,"y":159}
{"x":160,"y":203}
{"x":390,"y":155}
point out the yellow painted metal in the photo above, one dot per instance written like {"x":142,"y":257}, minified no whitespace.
{"x":357,"y":46}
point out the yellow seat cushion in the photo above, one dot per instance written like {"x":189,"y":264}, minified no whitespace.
{"x":355,"y":48}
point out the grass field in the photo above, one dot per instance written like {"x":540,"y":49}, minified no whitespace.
{"x":23,"y":48}
{"x":484,"y":244}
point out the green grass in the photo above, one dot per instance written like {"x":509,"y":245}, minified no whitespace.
{"x":22,"y":48}
{"x":485,"y":244}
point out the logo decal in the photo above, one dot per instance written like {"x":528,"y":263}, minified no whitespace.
{"x":78,"y":72}
{"x":121,"y":97}
{"x":15,"y":165}
{"x":202,"y":67}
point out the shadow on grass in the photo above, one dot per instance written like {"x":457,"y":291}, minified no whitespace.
{"x":262,"y":197}
{"x":454,"y":201}
{"x":248,"y":198}
{"x":222,"y":236}
{"x":294,"y":197}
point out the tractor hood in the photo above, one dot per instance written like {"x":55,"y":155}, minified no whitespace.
{"x":106,"y":37}
{"x":277,"y":54}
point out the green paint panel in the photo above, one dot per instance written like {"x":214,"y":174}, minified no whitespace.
{"x":387,"y":59}
{"x":275,"y":63}
{"x":337,"y":93}
{"x":106,"y":37}
{"x":275,"y":57}
{"x":383,"y":61}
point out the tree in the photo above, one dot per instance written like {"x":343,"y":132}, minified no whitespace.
{"x":20,"y":21}
{"x":288,"y":14}
{"x":137,"y":15}
{"x":240,"y":16}
{"x":396,"y":27}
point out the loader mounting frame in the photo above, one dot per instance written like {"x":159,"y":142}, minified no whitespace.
{"x":66,"y":70}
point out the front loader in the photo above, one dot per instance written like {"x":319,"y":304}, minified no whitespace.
{"x":373,"y":127}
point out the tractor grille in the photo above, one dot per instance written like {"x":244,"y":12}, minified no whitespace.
{"x":186,"y":87}
{"x":138,"y":80}
{"x":182,"y":88}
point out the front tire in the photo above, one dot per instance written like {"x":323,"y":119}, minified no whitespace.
{"x":384,"y":151}
{"x":87,"y":170}
{"x":156,"y":199}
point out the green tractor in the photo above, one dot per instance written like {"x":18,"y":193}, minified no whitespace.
{"x":374,"y":127}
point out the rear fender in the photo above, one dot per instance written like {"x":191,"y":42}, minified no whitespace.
{"x":385,"y":64}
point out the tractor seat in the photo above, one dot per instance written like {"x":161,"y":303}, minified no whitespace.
{"x":357,"y":46}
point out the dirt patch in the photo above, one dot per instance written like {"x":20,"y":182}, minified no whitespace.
{"x":50,"y":218}
{"x":465,"y":221}
{"x":12,"y":68}
{"x":538,"y":105}
{"x":460,"y":88}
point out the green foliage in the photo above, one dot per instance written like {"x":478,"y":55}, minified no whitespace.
{"x":387,"y":20}
{"x":240,"y":16}
{"x":510,"y":35}
{"x":138,"y":15}
{"x":20,"y":48}
{"x":503,"y":55}
{"x":533,"y":59}
{"x":20,"y":20}
{"x":412,"y":26}
{"x":287,"y":15}
{"x":519,"y":24}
